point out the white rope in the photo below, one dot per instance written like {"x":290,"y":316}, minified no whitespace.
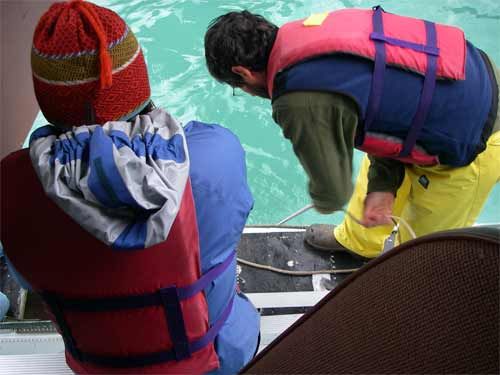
{"x":295,"y":273}
{"x":406,"y":225}
{"x":400,"y":220}
{"x":295,"y":214}
{"x":309,"y":206}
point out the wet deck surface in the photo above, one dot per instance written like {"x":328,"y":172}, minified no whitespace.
{"x":287,"y":250}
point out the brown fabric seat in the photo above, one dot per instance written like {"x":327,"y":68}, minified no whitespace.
{"x":428,"y":306}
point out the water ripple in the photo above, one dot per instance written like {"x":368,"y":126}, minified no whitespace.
{"x":171,"y":34}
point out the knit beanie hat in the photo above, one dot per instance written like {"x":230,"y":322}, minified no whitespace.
{"x":88,"y":67}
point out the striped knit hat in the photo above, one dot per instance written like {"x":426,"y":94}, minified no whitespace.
{"x":88,"y":67}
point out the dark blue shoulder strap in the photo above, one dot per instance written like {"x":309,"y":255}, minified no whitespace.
{"x":424,"y":104}
{"x":377,"y":87}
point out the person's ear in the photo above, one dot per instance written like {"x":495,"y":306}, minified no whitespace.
{"x":245,"y":73}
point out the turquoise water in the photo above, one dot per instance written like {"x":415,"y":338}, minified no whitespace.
{"x":171,"y":34}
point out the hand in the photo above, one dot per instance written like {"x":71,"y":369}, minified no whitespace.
{"x":378,"y":209}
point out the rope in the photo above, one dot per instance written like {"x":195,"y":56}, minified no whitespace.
{"x":400,"y":220}
{"x":406,"y":225}
{"x":295,"y":214}
{"x":318,"y":272}
{"x":309,"y":206}
{"x":295,"y":273}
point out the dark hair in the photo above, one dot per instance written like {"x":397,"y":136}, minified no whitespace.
{"x":238,"y":38}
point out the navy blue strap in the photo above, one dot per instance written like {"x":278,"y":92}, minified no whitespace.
{"x":143,"y":300}
{"x":214,"y":330}
{"x":175,"y":322}
{"x":163,"y":356}
{"x":427,"y":92}
{"x":377,"y":86}
{"x":206,"y":279}
{"x":432,"y":52}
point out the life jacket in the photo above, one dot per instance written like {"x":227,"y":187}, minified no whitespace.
{"x":118,"y":311}
{"x":424,"y":94}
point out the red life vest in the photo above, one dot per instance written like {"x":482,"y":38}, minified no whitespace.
{"x":431,"y":50}
{"x":114,"y":309}
{"x":351,"y":31}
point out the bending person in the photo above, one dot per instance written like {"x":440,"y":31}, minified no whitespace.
{"x":426,"y":116}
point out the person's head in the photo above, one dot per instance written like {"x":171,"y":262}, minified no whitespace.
{"x":88,"y":67}
{"x":237,"y":48}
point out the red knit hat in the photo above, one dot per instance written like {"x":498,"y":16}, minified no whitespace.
{"x":88,"y":67}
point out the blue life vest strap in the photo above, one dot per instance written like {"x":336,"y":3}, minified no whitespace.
{"x":377,"y":85}
{"x":169,"y":298}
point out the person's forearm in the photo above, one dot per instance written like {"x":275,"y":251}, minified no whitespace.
{"x":321,"y":128}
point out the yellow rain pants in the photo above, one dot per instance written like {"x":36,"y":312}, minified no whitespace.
{"x":453,"y":198}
